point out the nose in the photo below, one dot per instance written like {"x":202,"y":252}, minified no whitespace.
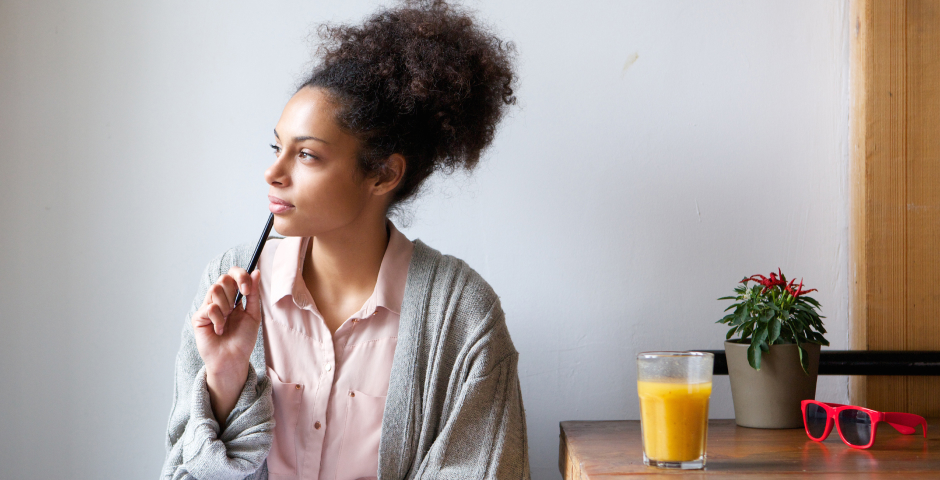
{"x":278,"y":174}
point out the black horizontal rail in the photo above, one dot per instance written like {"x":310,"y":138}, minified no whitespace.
{"x":862,"y":362}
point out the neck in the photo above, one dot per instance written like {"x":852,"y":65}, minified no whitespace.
{"x":346,"y":262}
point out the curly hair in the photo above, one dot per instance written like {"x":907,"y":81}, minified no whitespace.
{"x":423,"y":80}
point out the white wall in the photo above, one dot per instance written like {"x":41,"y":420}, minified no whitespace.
{"x":619,"y":201}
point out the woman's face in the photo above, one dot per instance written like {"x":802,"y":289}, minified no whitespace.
{"x":316,"y":185}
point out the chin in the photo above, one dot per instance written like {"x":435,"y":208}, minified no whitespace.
{"x":287,"y":227}
{"x":293,"y":225}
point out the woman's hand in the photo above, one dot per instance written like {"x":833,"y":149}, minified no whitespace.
{"x":225,"y":337}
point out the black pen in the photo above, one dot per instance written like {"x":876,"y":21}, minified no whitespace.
{"x":254,"y":257}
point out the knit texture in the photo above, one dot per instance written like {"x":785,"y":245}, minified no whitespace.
{"x":454,"y":406}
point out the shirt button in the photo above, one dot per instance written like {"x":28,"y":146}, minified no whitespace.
{"x":329,"y":366}
{"x":352,"y":394}
{"x":316,"y":425}
{"x":297,"y":387}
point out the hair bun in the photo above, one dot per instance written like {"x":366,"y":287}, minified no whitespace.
{"x":422,"y":79}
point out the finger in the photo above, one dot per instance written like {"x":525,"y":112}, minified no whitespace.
{"x":221,"y":298}
{"x":201,"y":317}
{"x":208,"y":299}
{"x":218,"y":320}
{"x":253,"y":303}
{"x":242,"y":279}
{"x":231,"y":289}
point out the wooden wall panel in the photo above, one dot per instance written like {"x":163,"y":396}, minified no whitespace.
{"x":896,"y":194}
{"x":859,"y":60}
{"x":923,"y":194}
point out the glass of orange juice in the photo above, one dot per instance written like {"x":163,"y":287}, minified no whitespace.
{"x":674,"y":388}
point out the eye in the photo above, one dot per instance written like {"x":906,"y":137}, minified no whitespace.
{"x":276,"y":148}
{"x":307,"y":155}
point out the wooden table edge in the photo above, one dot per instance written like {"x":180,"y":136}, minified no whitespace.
{"x":572,"y":468}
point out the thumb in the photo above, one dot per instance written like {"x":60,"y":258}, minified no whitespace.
{"x":253,"y":299}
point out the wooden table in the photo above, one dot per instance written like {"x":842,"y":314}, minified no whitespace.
{"x":613,"y":450}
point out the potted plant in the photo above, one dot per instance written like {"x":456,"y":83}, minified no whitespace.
{"x":774,"y":362}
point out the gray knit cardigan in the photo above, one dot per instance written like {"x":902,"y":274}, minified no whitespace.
{"x":454,"y":407}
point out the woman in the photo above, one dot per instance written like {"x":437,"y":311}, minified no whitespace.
{"x":359,"y":353}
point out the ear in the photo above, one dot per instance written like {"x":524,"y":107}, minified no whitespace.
{"x":392,"y":175}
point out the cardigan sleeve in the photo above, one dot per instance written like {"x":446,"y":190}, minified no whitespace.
{"x":197,"y":447}
{"x":484,"y":435}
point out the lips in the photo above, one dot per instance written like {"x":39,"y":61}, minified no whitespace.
{"x":278,"y":206}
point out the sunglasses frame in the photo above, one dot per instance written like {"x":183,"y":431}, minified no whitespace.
{"x":905,"y":423}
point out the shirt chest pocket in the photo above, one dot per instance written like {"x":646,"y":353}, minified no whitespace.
{"x":282,"y":461}
{"x":359,"y":454}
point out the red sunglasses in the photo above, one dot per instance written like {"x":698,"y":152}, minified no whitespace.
{"x":857,"y":425}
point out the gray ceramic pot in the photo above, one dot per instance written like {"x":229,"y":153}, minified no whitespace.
{"x":770,"y":397}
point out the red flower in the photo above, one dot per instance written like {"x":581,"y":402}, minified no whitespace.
{"x":799,"y":290}
{"x":768,"y":283}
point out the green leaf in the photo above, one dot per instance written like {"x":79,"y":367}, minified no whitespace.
{"x":804,"y":359}
{"x":728,"y":298}
{"x":758,"y":341}
{"x":811,"y":301}
{"x":760,"y":335}
{"x":817,"y":338}
{"x":786,"y":334}
{"x":746,"y":333}
{"x":731,"y":333}
{"x":775,"y":325}
{"x":753,"y":356}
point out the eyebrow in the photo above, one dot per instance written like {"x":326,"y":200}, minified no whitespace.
{"x":303,"y":138}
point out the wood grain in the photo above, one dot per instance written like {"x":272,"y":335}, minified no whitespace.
{"x":611,"y":450}
{"x":895,"y":194}
{"x":859,"y":60}
{"x":923,"y":190}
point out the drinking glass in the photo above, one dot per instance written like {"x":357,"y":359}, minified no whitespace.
{"x":674,"y":388}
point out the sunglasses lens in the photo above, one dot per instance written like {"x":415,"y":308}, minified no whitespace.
{"x":855,"y":426}
{"x":815,"y":420}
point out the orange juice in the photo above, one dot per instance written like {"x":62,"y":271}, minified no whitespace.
{"x":674,"y":419}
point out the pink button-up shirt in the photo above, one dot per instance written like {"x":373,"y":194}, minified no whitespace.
{"x":329,"y":390}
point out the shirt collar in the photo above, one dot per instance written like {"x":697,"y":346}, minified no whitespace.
{"x":393,"y":273}
{"x":287,"y":272}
